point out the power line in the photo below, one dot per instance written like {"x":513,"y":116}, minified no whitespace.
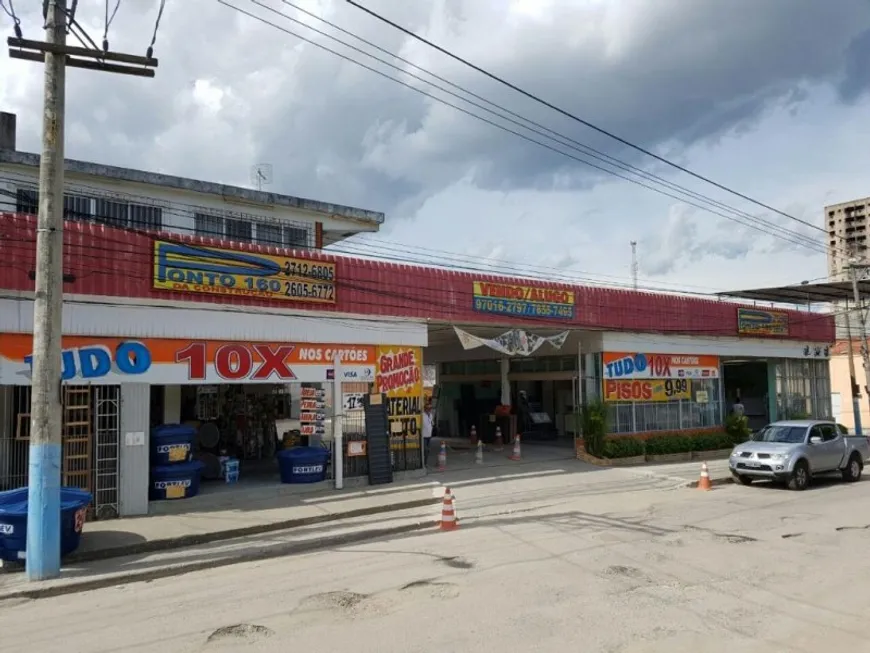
{"x":753,"y":222}
{"x":575,"y":118}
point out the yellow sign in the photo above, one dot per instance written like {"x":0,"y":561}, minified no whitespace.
{"x":400,"y":377}
{"x":642,"y":390}
{"x":210,"y":270}
{"x":522,"y":301}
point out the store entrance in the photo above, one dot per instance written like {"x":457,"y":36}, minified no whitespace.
{"x":246,"y":424}
{"x":746,"y":381}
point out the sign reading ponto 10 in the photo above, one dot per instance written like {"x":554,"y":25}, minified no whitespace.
{"x":622,"y":365}
{"x":189,"y":268}
{"x":523,"y":301}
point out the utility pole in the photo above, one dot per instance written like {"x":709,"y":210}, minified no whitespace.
{"x":854,"y":266}
{"x":856,"y":390}
{"x":634,"y":264}
{"x":46,"y":421}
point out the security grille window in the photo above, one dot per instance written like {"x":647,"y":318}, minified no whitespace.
{"x":239,"y":230}
{"x":296,"y":237}
{"x":269,"y":234}
{"x":112,"y":213}
{"x":146,"y":217}
{"x":641,"y":417}
{"x":27,"y":201}
{"x":211,"y":226}
{"x":77,"y":207}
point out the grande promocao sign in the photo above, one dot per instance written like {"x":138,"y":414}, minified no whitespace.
{"x":522,"y":301}
{"x":214,"y":271}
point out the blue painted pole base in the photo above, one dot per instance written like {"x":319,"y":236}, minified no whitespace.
{"x":43,"y":512}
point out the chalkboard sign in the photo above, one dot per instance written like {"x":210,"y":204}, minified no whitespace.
{"x":378,"y":438}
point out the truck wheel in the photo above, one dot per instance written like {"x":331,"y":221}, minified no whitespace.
{"x":800,"y":477}
{"x":853,"y":470}
{"x":745,"y":480}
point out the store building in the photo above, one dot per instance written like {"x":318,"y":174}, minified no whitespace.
{"x":161,"y":326}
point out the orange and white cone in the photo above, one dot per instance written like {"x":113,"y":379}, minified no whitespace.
{"x":517,"y":453}
{"x":499,"y":443}
{"x":448,"y":513}
{"x":704,"y":481}
{"x":442,"y":457}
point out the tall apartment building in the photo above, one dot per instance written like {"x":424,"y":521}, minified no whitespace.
{"x":848,"y":226}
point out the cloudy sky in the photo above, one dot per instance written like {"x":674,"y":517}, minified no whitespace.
{"x":769,"y":97}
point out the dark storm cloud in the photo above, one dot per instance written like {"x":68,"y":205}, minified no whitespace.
{"x":664,"y":73}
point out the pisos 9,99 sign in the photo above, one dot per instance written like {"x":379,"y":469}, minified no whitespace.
{"x":211,"y":270}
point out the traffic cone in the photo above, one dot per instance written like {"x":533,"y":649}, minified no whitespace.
{"x":448,"y":513}
{"x":499,"y":443}
{"x":442,"y":457}
{"x":704,"y":481}
{"x":517,"y":454}
{"x":474,"y":436}
{"x":478,"y":456}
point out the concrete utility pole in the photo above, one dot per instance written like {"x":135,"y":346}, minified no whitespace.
{"x":856,"y":390}
{"x":854,"y":268}
{"x":46,"y":419}
{"x":43,"y":515}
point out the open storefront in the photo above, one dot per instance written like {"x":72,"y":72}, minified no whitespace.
{"x":244,"y":402}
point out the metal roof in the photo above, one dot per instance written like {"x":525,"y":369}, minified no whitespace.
{"x":808,"y":293}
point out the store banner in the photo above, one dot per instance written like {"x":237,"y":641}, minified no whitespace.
{"x":187,"y":362}
{"x":757,"y":322}
{"x":622,"y":365}
{"x":515,"y":342}
{"x":400,"y":378}
{"x":522,"y":301}
{"x":210,"y":270}
{"x":647,"y":390}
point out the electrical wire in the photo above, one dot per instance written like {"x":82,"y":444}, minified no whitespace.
{"x":575,"y":118}
{"x":755,"y":223}
{"x":108,"y":23}
{"x":398,"y":253}
{"x":150,"y":52}
{"x":537,"y":127}
{"x":407,"y":293}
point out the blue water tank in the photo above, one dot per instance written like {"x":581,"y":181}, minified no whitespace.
{"x":176,"y":481}
{"x":303,"y":464}
{"x":172,"y":444}
{"x":13,"y":521}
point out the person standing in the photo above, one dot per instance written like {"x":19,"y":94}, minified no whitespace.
{"x":427,"y":431}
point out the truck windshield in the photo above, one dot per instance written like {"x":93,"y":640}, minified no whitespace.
{"x":784,"y":434}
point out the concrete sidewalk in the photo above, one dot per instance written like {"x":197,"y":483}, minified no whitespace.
{"x":514,"y":489}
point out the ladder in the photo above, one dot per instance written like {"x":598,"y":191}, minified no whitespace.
{"x":77,"y":437}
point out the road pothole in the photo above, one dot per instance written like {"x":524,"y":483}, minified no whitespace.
{"x":455,"y":562}
{"x":625,"y":572}
{"x":348,"y":604}
{"x":241,"y":633}
{"x":431,"y":588}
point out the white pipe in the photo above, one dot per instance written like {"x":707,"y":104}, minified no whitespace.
{"x":337,"y":435}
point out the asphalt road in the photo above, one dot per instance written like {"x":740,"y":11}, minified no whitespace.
{"x":649,"y":571}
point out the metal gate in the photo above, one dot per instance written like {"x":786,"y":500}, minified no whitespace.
{"x":91,"y":430}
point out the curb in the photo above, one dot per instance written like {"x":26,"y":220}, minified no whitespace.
{"x":183,"y":541}
{"x":278,"y":551}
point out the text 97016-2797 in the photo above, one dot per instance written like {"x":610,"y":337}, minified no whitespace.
{"x":523,"y":308}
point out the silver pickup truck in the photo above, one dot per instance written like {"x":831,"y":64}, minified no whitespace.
{"x":795,"y":451}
